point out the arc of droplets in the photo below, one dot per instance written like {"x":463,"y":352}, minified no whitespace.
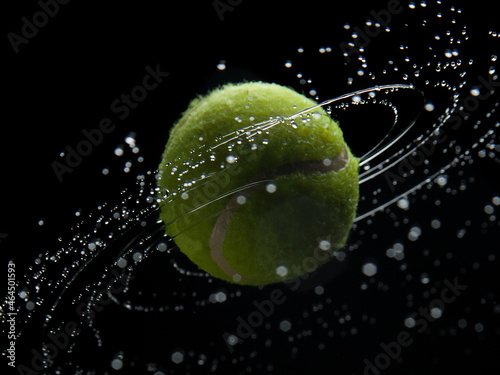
{"x":382,"y":147}
{"x":265,"y":125}
{"x":147,"y":237}
{"x":251,"y":130}
{"x":365,"y":175}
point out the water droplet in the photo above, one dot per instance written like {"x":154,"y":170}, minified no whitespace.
{"x":119,"y":151}
{"x":30,"y":305}
{"x":410,"y":322}
{"x":285,"y":326}
{"x":221,"y":65}
{"x":161,"y":247}
{"x":282,"y":271}
{"x":414,"y":233}
{"x":117,"y":364}
{"x":271,"y":188}
{"x":488,"y":209}
{"x":319,"y":290}
{"x":177,"y":357}
{"x":442,"y":180}
{"x":325,"y":245}
{"x":436,"y":224}
{"x":137,"y":257}
{"x":475,"y":91}
{"x":479,"y":327}
{"x":369,"y":269}
{"x":403,"y":203}
{"x":241,"y":199}
{"x":436,"y":312}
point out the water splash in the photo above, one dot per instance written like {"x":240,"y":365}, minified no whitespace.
{"x":117,"y":261}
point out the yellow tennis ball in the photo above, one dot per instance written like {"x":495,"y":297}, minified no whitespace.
{"x":256,"y":188}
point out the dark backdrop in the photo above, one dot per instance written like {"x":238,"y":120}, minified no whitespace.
{"x":64,"y":79}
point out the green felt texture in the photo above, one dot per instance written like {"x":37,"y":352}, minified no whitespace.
{"x":283,"y":228}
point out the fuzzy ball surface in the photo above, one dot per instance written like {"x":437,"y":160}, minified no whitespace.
{"x":257,"y":184}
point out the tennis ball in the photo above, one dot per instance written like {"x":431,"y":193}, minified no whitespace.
{"x":256,"y":185}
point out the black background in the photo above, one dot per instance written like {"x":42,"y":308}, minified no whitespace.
{"x":64,"y":79}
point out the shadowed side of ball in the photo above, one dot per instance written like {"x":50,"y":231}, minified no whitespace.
{"x":252,"y":187}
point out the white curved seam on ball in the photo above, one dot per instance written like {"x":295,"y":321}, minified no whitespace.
{"x":216,"y":241}
{"x":221,"y":226}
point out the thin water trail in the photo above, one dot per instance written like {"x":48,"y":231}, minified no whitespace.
{"x":233,"y":140}
{"x":146,"y":230}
